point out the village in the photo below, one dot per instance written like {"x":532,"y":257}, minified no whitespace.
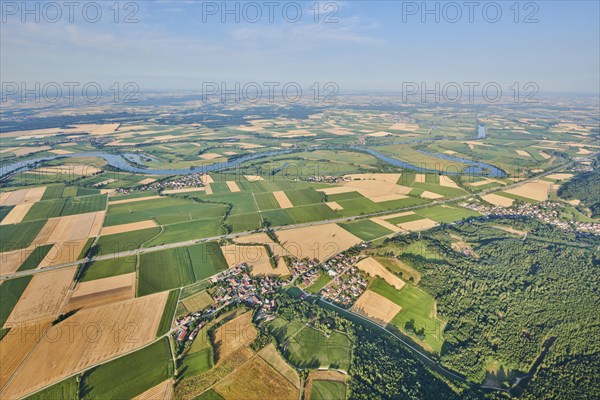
{"x":547,"y":211}
{"x":236,"y":286}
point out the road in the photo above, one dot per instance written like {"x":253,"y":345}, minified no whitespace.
{"x":316,"y":223}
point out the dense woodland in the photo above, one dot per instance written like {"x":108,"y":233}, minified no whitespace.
{"x":585,"y":187}
{"x":520,"y":296}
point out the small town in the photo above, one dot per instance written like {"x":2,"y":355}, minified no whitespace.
{"x":547,"y":211}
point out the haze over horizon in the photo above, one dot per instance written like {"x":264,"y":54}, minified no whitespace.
{"x":364,"y":46}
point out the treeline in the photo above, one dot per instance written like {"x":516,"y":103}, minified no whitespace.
{"x":382,"y":367}
{"x":503,"y":306}
{"x":585,"y":187}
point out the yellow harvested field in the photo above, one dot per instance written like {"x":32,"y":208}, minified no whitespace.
{"x":233,"y":186}
{"x":62,"y":253}
{"x":584,"y":151}
{"x":418,"y":225}
{"x":450,"y":152}
{"x":254,"y":238}
{"x":317,"y":241}
{"x":99,"y":129}
{"x":271,"y":356}
{"x":544,"y":155}
{"x":282,"y":199}
{"x":391,"y":178}
{"x":267,"y":269}
{"x":339,"y":131}
{"x":60,"y":151}
{"x":560,"y":177}
{"x":523,"y":153}
{"x":420,"y":178}
{"x":162,"y":391}
{"x":376,"y":307}
{"x":136,"y":199}
{"x":198,"y":301}
{"x":16,"y":345}
{"x":511,"y":230}
{"x":147,"y":181}
{"x":87,"y":338}
{"x":253,"y":178}
{"x":256,"y":380}
{"x":23,"y":151}
{"x":234,"y":334}
{"x":133,"y":226}
{"x":256,"y":256}
{"x":430,"y":195}
{"x":376,"y":187}
{"x":373,"y":268}
{"x":210,"y":156}
{"x":22,"y":196}
{"x":334,"y":205}
{"x":10,"y":261}
{"x":447,"y":182}
{"x":498,"y":200}
{"x":102,"y":291}
{"x":43,"y":298}
{"x":380,"y":134}
{"x":385,"y":224}
{"x":185,"y":190}
{"x":208,"y":189}
{"x":68,"y":169}
{"x":485,"y":181}
{"x":403,"y":126}
{"x":70,"y":228}
{"x":532,"y":190}
{"x":17,"y":214}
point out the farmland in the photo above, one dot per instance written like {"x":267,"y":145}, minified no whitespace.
{"x":182,"y":266}
{"x":120,"y":379}
{"x":418,"y":318}
{"x":308,"y":347}
{"x":10,"y":293}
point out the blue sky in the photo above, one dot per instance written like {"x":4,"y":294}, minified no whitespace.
{"x":370,"y":47}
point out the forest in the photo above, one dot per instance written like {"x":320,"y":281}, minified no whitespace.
{"x":524,"y":307}
{"x":584,"y":186}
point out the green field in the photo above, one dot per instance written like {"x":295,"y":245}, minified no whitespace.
{"x":311,"y":348}
{"x":167,"y":210}
{"x":19,"y":236}
{"x":303,"y":197}
{"x":197,"y":363}
{"x":45,"y":209}
{"x":417,"y":318}
{"x":107,"y":268}
{"x":323,"y":280}
{"x":183,"y":231}
{"x":167,"y":316}
{"x":35,"y":257}
{"x":209,"y":395}
{"x":328,"y":390}
{"x":181,"y":266}
{"x":86,"y":204}
{"x":123,"y":379}
{"x":63,"y":390}
{"x":446,"y":214}
{"x":366,"y":229}
{"x":404,"y":218}
{"x":10,"y":293}
{"x":125,"y":241}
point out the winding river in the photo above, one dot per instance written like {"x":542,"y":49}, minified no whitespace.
{"x":120,"y":162}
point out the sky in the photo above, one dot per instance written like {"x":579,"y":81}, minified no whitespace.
{"x":359,"y":45}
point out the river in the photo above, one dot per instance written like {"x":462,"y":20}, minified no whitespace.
{"x":120,"y":162}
